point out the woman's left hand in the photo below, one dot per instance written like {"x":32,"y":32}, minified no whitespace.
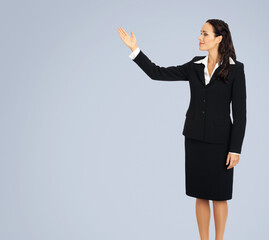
{"x":233,"y":159}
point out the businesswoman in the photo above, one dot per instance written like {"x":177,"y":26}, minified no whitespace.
{"x":212,"y":141}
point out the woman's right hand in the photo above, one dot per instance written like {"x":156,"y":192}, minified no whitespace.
{"x":129,"y":41}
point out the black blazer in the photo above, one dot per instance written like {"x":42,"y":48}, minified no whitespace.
{"x":208,"y":115}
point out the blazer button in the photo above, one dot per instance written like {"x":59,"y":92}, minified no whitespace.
{"x":203,"y":100}
{"x":203,"y":112}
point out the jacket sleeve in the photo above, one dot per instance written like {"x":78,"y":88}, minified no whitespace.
{"x":155,"y":72}
{"x":239,"y":110}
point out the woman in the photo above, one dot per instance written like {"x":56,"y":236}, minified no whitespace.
{"x":212,"y":141}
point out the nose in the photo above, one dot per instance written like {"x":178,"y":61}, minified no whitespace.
{"x":200,"y":39}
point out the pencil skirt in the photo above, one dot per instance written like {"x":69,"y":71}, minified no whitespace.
{"x":206,"y":173}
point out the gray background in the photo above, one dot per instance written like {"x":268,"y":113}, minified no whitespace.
{"x":91,"y":147}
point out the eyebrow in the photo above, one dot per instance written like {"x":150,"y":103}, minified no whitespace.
{"x":202,"y":31}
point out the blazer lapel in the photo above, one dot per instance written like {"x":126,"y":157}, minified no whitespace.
{"x":214,"y":76}
{"x":199,"y":68}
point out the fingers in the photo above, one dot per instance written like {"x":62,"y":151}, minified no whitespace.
{"x":231,"y":165}
{"x":233,"y":159}
{"x":228,"y":159}
{"x":121,"y":29}
{"x":122,"y":32}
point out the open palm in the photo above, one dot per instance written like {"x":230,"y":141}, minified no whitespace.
{"x":130,"y":41}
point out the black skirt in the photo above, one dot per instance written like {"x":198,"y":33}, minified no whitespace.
{"x":206,"y":173}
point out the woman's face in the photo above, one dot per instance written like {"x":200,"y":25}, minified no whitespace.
{"x":207,"y":40}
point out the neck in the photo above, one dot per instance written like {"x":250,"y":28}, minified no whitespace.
{"x":213,"y":57}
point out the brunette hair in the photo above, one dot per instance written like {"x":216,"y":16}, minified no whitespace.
{"x":226,"y":48}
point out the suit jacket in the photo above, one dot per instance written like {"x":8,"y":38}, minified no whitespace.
{"x":208,"y":115}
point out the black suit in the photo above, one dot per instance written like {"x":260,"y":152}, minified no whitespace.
{"x":208,"y":116}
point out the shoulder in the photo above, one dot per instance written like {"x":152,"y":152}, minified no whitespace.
{"x":196,"y":58}
{"x":239,"y":67}
{"x":239,"y":71}
{"x":239,"y":64}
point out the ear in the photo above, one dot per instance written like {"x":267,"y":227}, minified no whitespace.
{"x":220,"y":38}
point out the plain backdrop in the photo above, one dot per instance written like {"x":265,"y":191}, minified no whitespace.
{"x":91,"y":147}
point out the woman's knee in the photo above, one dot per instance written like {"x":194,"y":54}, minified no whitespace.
{"x":202,"y":200}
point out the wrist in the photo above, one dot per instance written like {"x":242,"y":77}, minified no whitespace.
{"x":133,"y":48}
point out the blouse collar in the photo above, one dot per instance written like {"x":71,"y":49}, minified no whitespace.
{"x":205,"y":60}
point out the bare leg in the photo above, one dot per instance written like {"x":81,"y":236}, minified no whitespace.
{"x":203,"y":217}
{"x":220,"y":218}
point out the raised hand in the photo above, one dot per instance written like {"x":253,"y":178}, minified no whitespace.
{"x":128,"y":40}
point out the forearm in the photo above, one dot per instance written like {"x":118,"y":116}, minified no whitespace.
{"x":155,"y":72}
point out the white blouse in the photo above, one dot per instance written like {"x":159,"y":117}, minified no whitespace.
{"x":203,"y":61}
